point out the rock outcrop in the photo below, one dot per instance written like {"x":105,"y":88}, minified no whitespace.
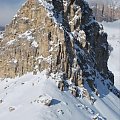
{"x":60,"y":36}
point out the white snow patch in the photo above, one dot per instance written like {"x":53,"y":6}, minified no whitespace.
{"x":27,"y":35}
{"x":34,"y":44}
{"x":25,"y":18}
{"x":11,"y":42}
{"x":13,"y":61}
{"x":47,"y":59}
{"x":113,"y":30}
{"x":1,"y":36}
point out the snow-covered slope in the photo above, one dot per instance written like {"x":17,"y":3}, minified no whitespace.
{"x":20,"y":101}
{"x":113,"y":30}
{"x":117,"y":2}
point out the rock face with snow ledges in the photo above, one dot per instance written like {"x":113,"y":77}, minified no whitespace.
{"x":60,"y":36}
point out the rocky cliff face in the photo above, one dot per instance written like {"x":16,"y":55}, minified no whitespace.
{"x":60,"y":36}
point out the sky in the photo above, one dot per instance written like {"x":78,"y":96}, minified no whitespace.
{"x":8,"y":9}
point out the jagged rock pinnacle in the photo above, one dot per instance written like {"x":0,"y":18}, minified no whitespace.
{"x":59,"y":36}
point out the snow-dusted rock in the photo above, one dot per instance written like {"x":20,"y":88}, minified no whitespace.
{"x":45,"y":99}
{"x":11,"y":109}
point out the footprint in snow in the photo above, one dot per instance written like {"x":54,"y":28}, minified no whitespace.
{"x":98,"y":117}
{"x":61,"y":112}
{"x":11,"y":109}
{"x":89,"y":110}
{"x":1,"y":101}
{"x":65,"y":103}
{"x":82,"y":106}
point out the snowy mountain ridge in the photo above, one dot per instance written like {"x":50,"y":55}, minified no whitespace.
{"x":20,"y":95}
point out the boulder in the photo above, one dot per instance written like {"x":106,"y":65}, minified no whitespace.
{"x":11,"y":109}
{"x":45,"y":99}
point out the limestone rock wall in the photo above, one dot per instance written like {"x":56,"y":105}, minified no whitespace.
{"x":30,"y":42}
{"x":60,"y":36}
{"x":33,"y":42}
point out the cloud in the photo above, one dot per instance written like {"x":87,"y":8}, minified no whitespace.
{"x":8,"y":9}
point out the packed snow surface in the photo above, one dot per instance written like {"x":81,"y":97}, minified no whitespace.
{"x":113,"y":31}
{"x":22,"y":98}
